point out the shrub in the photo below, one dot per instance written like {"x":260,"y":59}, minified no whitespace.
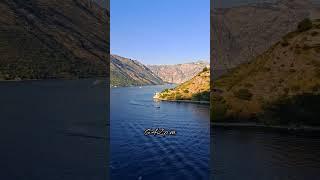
{"x":218,"y":112}
{"x":166,"y":91}
{"x":243,"y":94}
{"x":284,"y":43}
{"x":314,"y":33}
{"x":217,"y":98}
{"x":178,"y":97}
{"x":292,"y":70}
{"x":305,"y":25}
{"x":297,"y":110}
{"x":295,"y":88}
{"x":203,"y":96}
{"x":316,"y":88}
{"x":205,"y":69}
{"x":248,"y":85}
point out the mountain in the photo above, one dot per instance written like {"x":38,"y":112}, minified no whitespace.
{"x":281,"y":86}
{"x":41,"y":39}
{"x":128,"y":72}
{"x":195,"y":89}
{"x":178,"y":73}
{"x":241,"y":33}
{"x":103,"y":3}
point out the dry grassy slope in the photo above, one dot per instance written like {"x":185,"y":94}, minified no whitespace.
{"x":290,"y":67}
{"x":195,"y":89}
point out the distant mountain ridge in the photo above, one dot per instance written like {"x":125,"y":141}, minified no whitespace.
{"x":241,"y":33}
{"x":128,"y":72}
{"x":178,"y":73}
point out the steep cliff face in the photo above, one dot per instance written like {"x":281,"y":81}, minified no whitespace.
{"x":178,"y":73}
{"x":283,"y":82}
{"x":241,"y":33}
{"x":128,"y":72}
{"x":42,"y":39}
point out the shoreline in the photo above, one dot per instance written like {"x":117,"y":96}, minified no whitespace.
{"x":53,"y":79}
{"x":263,"y":126}
{"x":184,"y":101}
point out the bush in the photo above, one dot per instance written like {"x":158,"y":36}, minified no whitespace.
{"x":203,"y":96}
{"x":205,"y":69}
{"x":166,"y":91}
{"x":314,"y":33}
{"x":305,"y":25}
{"x":248,"y":85}
{"x":295,"y":88}
{"x":297,"y":110}
{"x":178,"y":97}
{"x":284,"y":43}
{"x":243,"y":94}
{"x":218,"y":111}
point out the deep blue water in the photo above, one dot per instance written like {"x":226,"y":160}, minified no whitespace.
{"x":264,"y":154}
{"x":136,"y":156}
{"x":54,"y":130}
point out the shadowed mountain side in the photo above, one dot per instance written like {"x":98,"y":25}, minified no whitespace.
{"x":41,"y":39}
{"x":127,"y":72}
{"x":288,"y":69}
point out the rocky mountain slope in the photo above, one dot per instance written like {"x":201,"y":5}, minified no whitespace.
{"x":128,"y":72}
{"x":281,"y":86}
{"x":42,"y":39}
{"x":178,"y":73}
{"x":195,"y":89}
{"x":103,"y":3}
{"x":241,"y":33}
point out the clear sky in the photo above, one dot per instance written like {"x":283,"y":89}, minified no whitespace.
{"x":161,"y":31}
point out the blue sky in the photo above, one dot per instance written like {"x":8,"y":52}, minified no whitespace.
{"x":161,"y":31}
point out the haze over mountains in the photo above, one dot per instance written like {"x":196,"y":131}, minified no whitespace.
{"x":41,"y":39}
{"x":178,"y":73}
{"x":248,"y":30}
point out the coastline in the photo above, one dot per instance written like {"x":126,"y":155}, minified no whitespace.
{"x":183,"y":101}
{"x":48,"y":79}
{"x":263,"y":126}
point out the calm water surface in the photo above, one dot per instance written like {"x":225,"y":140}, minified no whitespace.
{"x":136,"y":156}
{"x":264,"y":154}
{"x":53,"y":130}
